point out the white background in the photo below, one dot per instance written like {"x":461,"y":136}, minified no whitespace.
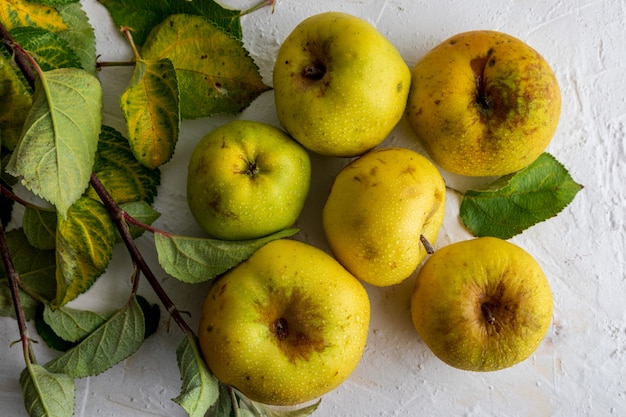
{"x":579,"y":368}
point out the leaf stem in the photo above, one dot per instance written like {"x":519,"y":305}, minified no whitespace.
{"x":9,"y":193}
{"x":126,"y":31}
{"x":258,"y":6}
{"x":14,"y":278}
{"x":118,"y":218}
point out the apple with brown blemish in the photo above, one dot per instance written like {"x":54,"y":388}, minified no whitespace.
{"x":483,"y":103}
{"x":286,"y":326}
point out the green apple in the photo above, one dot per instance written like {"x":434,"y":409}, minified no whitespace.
{"x":286,"y":326}
{"x":380,"y":210}
{"x":483,"y":103}
{"x":340,"y":86}
{"x":247,"y":180}
{"x":482,"y":304}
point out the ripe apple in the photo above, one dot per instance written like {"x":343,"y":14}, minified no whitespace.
{"x":340,"y":86}
{"x":247,"y":180}
{"x":286,"y":326}
{"x":482,"y":304}
{"x":483,"y":103}
{"x":381,"y":209}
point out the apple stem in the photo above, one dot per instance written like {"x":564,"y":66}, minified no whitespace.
{"x":485,"y":308}
{"x":429,"y":248}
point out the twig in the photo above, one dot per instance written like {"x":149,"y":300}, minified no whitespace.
{"x":21,"y":59}
{"x":119,"y":219}
{"x":14,"y":278}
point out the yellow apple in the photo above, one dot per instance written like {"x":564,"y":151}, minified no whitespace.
{"x":247,"y":180}
{"x":286,"y":326}
{"x":482,"y":304}
{"x":340,"y":86}
{"x":380,"y":210}
{"x":483,"y":103}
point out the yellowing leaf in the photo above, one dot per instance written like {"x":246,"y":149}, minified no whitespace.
{"x":12,"y":117}
{"x":215,"y":73}
{"x":57,"y":149}
{"x":122,"y":175}
{"x":18,"y":13}
{"x":85,"y":241}
{"x":150,"y":107}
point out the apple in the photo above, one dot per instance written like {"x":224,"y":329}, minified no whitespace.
{"x":247,"y":180}
{"x":286,"y":326}
{"x":383,"y":213}
{"x":340,"y":86}
{"x":483,"y":103}
{"x":482,"y":304}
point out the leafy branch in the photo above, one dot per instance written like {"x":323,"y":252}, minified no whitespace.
{"x":101,"y":186}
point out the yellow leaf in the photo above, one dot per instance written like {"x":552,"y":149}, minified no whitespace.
{"x":19,"y":13}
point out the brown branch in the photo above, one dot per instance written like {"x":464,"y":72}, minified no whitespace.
{"x":14,"y":279}
{"x":21,"y":58}
{"x":118,"y":217}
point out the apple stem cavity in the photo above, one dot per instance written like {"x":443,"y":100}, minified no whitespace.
{"x":429,"y":248}
{"x":280,"y":328}
{"x":314,"y":71}
{"x":486,"y":309}
{"x":483,"y":100}
{"x":252,"y":170}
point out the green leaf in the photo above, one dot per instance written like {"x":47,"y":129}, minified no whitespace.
{"x":40,"y":227}
{"x":195,"y":260}
{"x":71,"y":324}
{"x":518,"y":201}
{"x":223,"y":407}
{"x":215,"y":73}
{"x":56,"y":153}
{"x":53,"y":2}
{"x":36,"y":267}
{"x":84,"y":248}
{"x":111,"y":343}
{"x":12,"y":117}
{"x":50,"y":338}
{"x":47,"y":394}
{"x":29,"y":304}
{"x":48,"y":48}
{"x":143,"y":15}
{"x":151,"y":109}
{"x":80,"y":35}
{"x":122,"y":175}
{"x":140,"y":211}
{"x":200,"y":388}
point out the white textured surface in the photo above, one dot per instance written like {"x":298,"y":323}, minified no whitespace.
{"x":579,"y":368}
